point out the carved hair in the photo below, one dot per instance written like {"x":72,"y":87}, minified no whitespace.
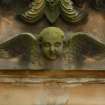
{"x":51,"y":31}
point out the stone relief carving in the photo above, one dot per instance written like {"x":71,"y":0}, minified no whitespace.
{"x":52,"y":9}
{"x":51,"y":49}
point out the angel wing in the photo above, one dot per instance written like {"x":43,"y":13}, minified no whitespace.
{"x":83,"y":46}
{"x":70,"y":13}
{"x":35,"y":12}
{"x":19,"y":45}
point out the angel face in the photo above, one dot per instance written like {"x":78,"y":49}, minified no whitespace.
{"x":52,"y":47}
{"x":52,"y":43}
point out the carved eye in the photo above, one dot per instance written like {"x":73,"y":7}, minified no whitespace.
{"x":46,"y":44}
{"x":58,"y":44}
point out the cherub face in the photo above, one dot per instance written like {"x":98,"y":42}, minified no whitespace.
{"x":52,"y":45}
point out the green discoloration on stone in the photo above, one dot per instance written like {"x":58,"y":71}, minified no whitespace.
{"x":52,"y":49}
{"x":70,"y":13}
{"x":35,"y":12}
{"x":52,"y":9}
{"x":51,"y":40}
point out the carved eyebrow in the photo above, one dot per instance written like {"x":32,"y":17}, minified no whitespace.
{"x":46,"y":44}
{"x":57,"y":43}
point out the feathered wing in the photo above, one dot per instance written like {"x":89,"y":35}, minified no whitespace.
{"x":70,"y":13}
{"x":84,"y":46}
{"x":35,"y":12}
{"x":20,"y":45}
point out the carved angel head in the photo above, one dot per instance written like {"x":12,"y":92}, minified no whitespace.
{"x":51,"y":40}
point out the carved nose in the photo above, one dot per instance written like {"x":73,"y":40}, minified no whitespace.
{"x":52,"y":48}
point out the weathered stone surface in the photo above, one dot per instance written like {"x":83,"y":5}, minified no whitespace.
{"x":52,"y":93}
{"x":13,"y":27}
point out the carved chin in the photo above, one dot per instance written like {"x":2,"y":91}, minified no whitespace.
{"x":51,"y":57}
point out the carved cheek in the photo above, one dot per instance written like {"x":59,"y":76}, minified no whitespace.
{"x":45,"y":49}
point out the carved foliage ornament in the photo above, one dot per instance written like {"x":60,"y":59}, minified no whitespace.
{"x":52,"y":9}
{"x":51,"y":47}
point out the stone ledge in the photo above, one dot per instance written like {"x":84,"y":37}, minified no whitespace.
{"x":68,"y":77}
{"x":53,"y":74}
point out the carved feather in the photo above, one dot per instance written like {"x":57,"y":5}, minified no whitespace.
{"x":34,"y":13}
{"x":82,"y":46}
{"x":21,"y":44}
{"x":86,"y":45}
{"x":69,"y":13}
